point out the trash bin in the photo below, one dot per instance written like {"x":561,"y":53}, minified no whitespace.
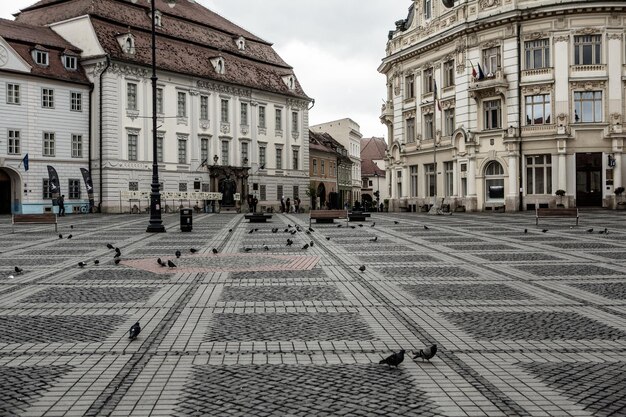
{"x":186,"y":220}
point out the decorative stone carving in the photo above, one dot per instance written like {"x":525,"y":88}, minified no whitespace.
{"x":588,"y":31}
{"x":561,"y":38}
{"x":224,"y":89}
{"x":535,"y":35}
{"x":537,"y":89}
{"x":561,"y":124}
{"x":244,"y":129}
{"x":205,"y":124}
{"x":448,"y":104}
{"x":614,"y":36}
{"x":490,"y":44}
{"x":588,"y":85}
{"x":225,"y":128}
{"x":128,"y":70}
{"x":615,"y":119}
{"x":428,"y":109}
{"x":193,"y":92}
{"x":297,"y":104}
{"x":409,"y":114}
{"x":262,"y":131}
{"x":486,"y":4}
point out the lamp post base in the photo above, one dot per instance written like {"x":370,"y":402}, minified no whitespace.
{"x":155,"y":228}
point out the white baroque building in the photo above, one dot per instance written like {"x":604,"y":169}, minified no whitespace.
{"x":543,"y":112}
{"x":232,"y":115}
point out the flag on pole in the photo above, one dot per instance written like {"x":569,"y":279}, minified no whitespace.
{"x":436,"y":97}
{"x":474,"y":73}
{"x":481,"y":74}
{"x":25,"y":162}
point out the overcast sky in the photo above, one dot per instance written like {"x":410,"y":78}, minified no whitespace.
{"x":334,"y":46}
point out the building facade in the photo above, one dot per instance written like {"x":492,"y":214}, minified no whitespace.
{"x":499,"y":104}
{"x":347,"y":133}
{"x":232,"y":116}
{"x":45,"y":107}
{"x":373,"y":172}
{"x":325,"y":156}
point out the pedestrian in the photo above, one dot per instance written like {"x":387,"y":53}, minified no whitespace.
{"x":297,"y":204}
{"x":255,"y":201}
{"x":61,"y":203}
{"x":282,"y":204}
{"x":250,"y":203}
{"x":288,"y":204}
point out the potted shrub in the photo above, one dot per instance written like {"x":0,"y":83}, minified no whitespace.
{"x":560,"y":194}
{"x":621,"y":204}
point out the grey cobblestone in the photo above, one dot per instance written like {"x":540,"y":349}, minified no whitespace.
{"x":569,"y":269}
{"x":426,"y":271}
{"x":611,"y":290}
{"x":91,"y":295}
{"x":466,"y":292}
{"x":281,"y":293}
{"x":48,"y":329}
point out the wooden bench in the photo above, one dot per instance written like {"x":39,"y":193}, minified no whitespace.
{"x":358,"y":216}
{"x":327,"y":216}
{"x":258,"y":217}
{"x":556,"y":212}
{"x":44,"y":218}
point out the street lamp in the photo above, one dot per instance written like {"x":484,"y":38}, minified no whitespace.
{"x":377,"y":189}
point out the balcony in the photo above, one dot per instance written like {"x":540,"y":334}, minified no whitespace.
{"x":537,"y":75}
{"x":587,"y":71}
{"x":386,"y":112}
{"x":490,"y":86}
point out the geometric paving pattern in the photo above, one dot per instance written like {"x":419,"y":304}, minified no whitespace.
{"x":288,"y":326}
{"x":399,"y":258}
{"x":305,"y":274}
{"x":611,"y":290}
{"x":91,"y":295}
{"x":118,"y":274}
{"x":282,"y":293}
{"x":515,"y":257}
{"x":599,"y":387}
{"x":50,"y":329}
{"x":466,"y":292}
{"x":286,"y":390}
{"x":20,"y":387}
{"x":533,"y":326}
{"x":425,"y":271}
{"x":560,"y":270}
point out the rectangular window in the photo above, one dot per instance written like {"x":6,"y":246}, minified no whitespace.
{"x":279,"y":192}
{"x":448,"y":117}
{"x":428,"y":9}
{"x":76,"y":101}
{"x":244,"y":114}
{"x":46,"y":194}
{"x":204,"y":150}
{"x":132,"y":147}
{"x":588,"y":106}
{"x":182,"y":187}
{"x":225,"y":145}
{"x":428,"y":80}
{"x":588,"y":50}
{"x":244,"y":154}
{"x":295,"y":160}
{"x":41,"y":58}
{"x":410,"y":130}
{"x":70,"y":62}
{"x":182,"y":150}
{"x":539,"y":174}
{"x":131,"y":96}
{"x":428,"y":126}
{"x":409,"y":87}
{"x":279,"y":158}
{"x":133,"y":186}
{"x":263,"y":192}
{"x":262,"y":153}
{"x":48,"y":144}
{"x":296,"y":192}
{"x":491,"y":60}
{"x":73,"y":189}
{"x":13,"y":94}
{"x":448,"y":167}
{"x":492,"y":114}
{"x":315,"y":167}
{"x":279,"y":119}
{"x":323,"y":167}
{"x":294,"y":122}
{"x":181,"y":104}
{"x":77,"y":146}
{"x":224,"y":111}
{"x":47,"y":98}
{"x":413,"y":171}
{"x":204,"y":107}
{"x":538,"y":110}
{"x":160,"y":139}
{"x":537,"y":54}
{"x":159,"y":97}
{"x":448,"y":73}
{"x":262,"y":117}
{"x":429,"y":171}
{"x":14,"y":142}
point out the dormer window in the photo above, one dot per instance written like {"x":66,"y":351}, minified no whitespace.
{"x":241,"y":43}
{"x":290,"y":81}
{"x":218,"y":65}
{"x":41,"y":57}
{"x":127,"y":43}
{"x":70,"y":62}
{"x":158,"y":19}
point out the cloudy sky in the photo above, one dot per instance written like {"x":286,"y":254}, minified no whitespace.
{"x":334,"y":46}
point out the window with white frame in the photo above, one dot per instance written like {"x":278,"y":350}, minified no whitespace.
{"x":225,"y":148}
{"x":492,"y":114}
{"x":13,"y":94}
{"x":588,"y":50}
{"x":448,"y":73}
{"x":77,"y":146}
{"x":224,"y":111}
{"x":160,"y":140}
{"x":409,"y":87}
{"x":244,"y":154}
{"x":76,"y":101}
{"x":46,"y":194}
{"x":132,"y":146}
{"x":262,"y":117}
{"x":448,"y":121}
{"x":428,"y":9}
{"x":322,"y":167}
{"x":539,"y":174}
{"x":73,"y":189}
{"x":204,"y":107}
{"x":491,"y":60}
{"x":13,"y":142}
{"x":279,"y":119}
{"x":399,"y":183}
{"x":294,"y":122}
{"x":537,"y":54}
{"x":410,"y":130}
{"x":204,"y":149}
{"x":70,"y":62}
{"x":131,"y":96}
{"x":413,"y":180}
{"x":182,"y":150}
{"x":159,"y":97}
{"x":262,"y":155}
{"x":429,"y":173}
{"x":588,"y":107}
{"x":429,"y":126}
{"x":448,"y":168}
{"x":244,"y":114}
{"x":429,"y":80}
{"x":41,"y":58}
{"x":47,"y":98}
{"x":538,"y":110}
{"x":296,"y":192}
{"x":262,"y":192}
{"x":181,"y":104}
{"x":48,"y":144}
{"x":494,"y":182}
{"x":279,"y":158}
{"x":314,"y":166}
{"x":295,"y":160}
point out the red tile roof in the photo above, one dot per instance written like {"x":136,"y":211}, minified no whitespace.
{"x":372,"y":149}
{"x":324,"y":142}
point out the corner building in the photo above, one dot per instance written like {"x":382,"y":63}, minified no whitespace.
{"x":497,"y":104}
{"x":232,"y":114}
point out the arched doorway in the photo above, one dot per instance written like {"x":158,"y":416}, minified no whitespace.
{"x":494,"y":183}
{"x":6,"y":192}
{"x":321,"y":193}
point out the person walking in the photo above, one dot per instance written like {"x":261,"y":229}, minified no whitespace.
{"x":61,"y":203}
{"x":282,"y":204}
{"x":255,"y":201}
{"x":288,"y":204}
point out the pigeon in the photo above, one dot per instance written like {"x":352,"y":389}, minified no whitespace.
{"x":374,"y":239}
{"x":394,"y":359}
{"x":395,"y":222}
{"x":544,"y":230}
{"x":590,"y":230}
{"x":285,"y":231}
{"x":171,"y":264}
{"x":289,"y":242}
{"x":293,"y":232}
{"x":298,"y":228}
{"x":96,"y":262}
{"x":426,"y":227}
{"x":306,"y":246}
{"x":60,"y":236}
{"x":256,"y":230}
{"x":427,"y":353}
{"x":18,"y":270}
{"x":117,"y":255}
{"x":362,"y":268}
{"x":160,"y":262}
{"x":307,"y":232}
{"x":338,"y":225}
{"x":360,"y":225}
{"x":247,"y":249}
{"x":11,"y":277}
{"x":69,"y":236}
{"x":604,"y":232}
{"x":525,"y":230}
{"x":177,"y":253}
{"x":82,"y":264}
{"x":118,"y":250}
{"x":117,"y":261}
{"x":214,"y":251}
{"x":311,"y":229}
{"x":230,"y":230}
{"x":275,"y":230}
{"x":288,"y":225}
{"x":373,"y":224}
{"x":251,"y":231}
{"x":266,"y":247}
{"x":311,"y":244}
{"x":327,"y":238}
{"x":193,"y":250}
{"x":71,"y":226}
{"x":109,"y":246}
{"x":134,"y":331}
{"x":352,"y":227}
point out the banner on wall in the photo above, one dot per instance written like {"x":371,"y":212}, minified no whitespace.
{"x":89,"y":185}
{"x":53,"y":184}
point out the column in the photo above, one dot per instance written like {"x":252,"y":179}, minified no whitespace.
{"x":617,"y":171}
{"x":563,"y":174}
{"x":471,"y":177}
{"x":513,"y":174}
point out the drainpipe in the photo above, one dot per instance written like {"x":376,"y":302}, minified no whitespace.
{"x":100,"y":129}
{"x":89,"y":137}
{"x":519,"y":116}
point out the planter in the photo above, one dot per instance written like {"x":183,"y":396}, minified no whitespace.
{"x":621,"y":206}
{"x":459,"y":209}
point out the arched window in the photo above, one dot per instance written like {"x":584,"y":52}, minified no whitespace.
{"x":494,"y":182}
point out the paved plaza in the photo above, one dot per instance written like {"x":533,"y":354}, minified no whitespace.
{"x":527,"y":323}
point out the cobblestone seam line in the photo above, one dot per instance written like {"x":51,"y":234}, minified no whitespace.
{"x":119,"y":386}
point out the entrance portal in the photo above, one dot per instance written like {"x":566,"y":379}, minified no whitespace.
{"x":5,"y":192}
{"x":589,"y":179}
